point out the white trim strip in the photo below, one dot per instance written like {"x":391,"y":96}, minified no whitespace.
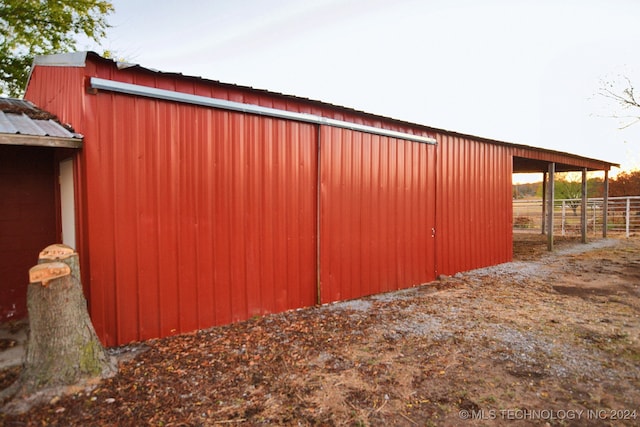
{"x":170,"y":95}
{"x":70,"y":59}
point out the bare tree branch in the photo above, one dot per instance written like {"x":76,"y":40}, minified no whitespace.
{"x":625,"y":98}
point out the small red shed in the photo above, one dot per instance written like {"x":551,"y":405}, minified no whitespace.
{"x":35,"y":195}
{"x":199,"y":203}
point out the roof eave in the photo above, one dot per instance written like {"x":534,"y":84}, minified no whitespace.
{"x":39,"y":141}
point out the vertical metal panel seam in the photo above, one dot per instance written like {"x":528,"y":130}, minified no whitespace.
{"x":112,"y":213}
{"x":439,"y":205}
{"x":135,"y":118}
{"x":318,"y":213}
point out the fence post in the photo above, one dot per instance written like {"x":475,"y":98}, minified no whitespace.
{"x":628,"y":216}
{"x":564,"y":216}
{"x":595,"y":209}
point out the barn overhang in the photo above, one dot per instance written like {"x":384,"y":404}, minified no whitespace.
{"x":549,"y":162}
{"x":532,"y":160}
{"x":534,"y":165}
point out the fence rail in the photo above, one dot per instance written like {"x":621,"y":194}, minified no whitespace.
{"x":623,"y":215}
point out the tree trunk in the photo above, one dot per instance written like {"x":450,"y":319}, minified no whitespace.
{"x":63,"y":348}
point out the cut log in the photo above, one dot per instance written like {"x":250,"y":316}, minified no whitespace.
{"x":63,"y":348}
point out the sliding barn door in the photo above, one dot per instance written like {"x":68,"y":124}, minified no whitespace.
{"x":377,"y":214}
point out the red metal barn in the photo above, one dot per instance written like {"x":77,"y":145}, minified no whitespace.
{"x":200,"y":203}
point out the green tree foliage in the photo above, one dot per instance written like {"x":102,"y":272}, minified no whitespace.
{"x":595,"y":187}
{"x":568,"y":186}
{"x":39,"y":27}
{"x":625,"y":184}
{"x":568,"y":189}
{"x":571,"y":189}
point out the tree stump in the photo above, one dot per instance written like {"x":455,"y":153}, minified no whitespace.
{"x":63,"y":348}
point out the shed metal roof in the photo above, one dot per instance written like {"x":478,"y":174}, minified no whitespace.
{"x":18,"y":116}
{"x":22,"y":123}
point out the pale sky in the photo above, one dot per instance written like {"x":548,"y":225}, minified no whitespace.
{"x":526,"y":72}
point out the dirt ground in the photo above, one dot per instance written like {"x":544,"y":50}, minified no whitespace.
{"x":544,"y":340}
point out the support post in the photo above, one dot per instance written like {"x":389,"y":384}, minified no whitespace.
{"x":550,"y":200}
{"x":605,"y":205}
{"x":544,"y":200}
{"x":583,"y":208}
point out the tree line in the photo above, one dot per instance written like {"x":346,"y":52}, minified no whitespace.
{"x":623,"y":184}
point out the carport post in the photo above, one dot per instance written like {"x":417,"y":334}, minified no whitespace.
{"x":550,"y":200}
{"x":605,"y":204}
{"x":544,"y":199}
{"x":583,"y":209}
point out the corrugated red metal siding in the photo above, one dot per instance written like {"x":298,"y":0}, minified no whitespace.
{"x":474,"y":204}
{"x":197,"y":86}
{"x":377,"y":212}
{"x":61,"y":90}
{"x":197,"y":216}
{"x":191,"y":216}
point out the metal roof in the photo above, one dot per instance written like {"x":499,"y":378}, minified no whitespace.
{"x":20,"y":117}
{"x":575,"y":162}
{"x":78,"y":59}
